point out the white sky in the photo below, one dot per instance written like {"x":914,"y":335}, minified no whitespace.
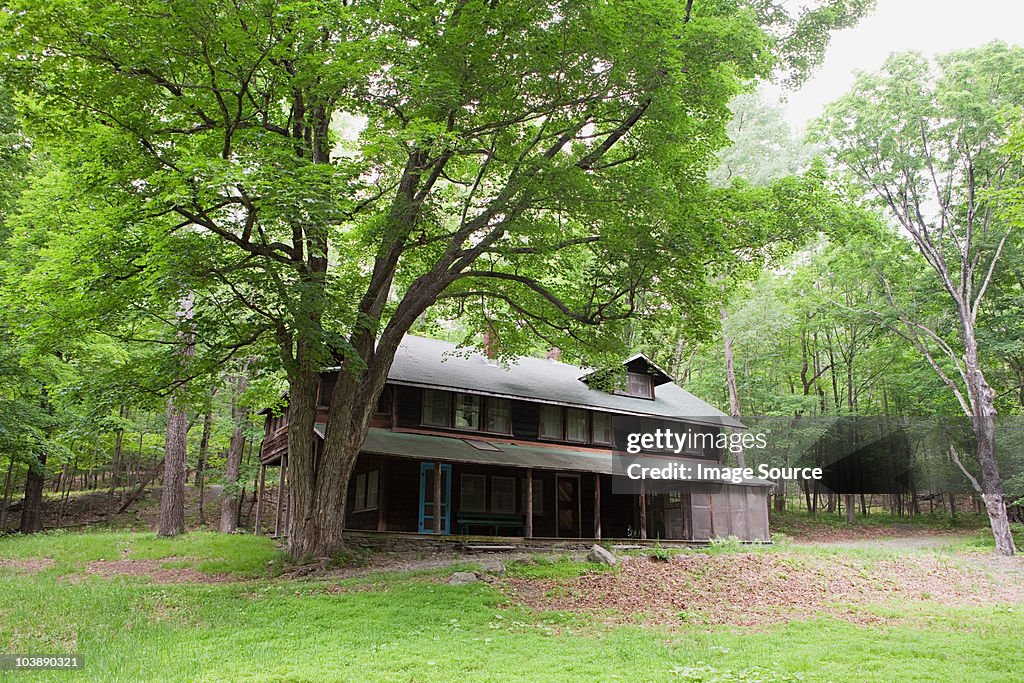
{"x":929,"y":26}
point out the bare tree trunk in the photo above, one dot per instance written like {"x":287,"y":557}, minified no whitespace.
{"x":67,"y":478}
{"x":7,"y":495}
{"x":32,"y":506}
{"x":851,"y":508}
{"x":172,"y":502}
{"x":115,"y":466}
{"x":204,"y":449}
{"x":229,"y":506}
{"x":730,"y":380}
{"x":143,"y":483}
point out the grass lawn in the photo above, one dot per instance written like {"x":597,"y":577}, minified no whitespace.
{"x":414,"y":627}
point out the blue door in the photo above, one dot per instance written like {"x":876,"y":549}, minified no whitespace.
{"x":427,"y":498}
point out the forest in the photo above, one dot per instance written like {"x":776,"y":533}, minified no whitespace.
{"x":204,"y":204}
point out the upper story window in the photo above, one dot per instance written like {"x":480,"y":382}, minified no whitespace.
{"x":602,"y":428}
{"x":437,"y":408}
{"x":639,"y":384}
{"x":498,"y":416}
{"x":576,"y":425}
{"x":466,"y":411}
{"x":550,"y":422}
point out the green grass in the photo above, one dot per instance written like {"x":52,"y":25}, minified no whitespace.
{"x":413,"y":627}
{"x":205,"y":551}
{"x":982,"y":541}
{"x":547,"y":567}
{"x":793,"y":523}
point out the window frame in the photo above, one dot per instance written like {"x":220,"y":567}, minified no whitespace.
{"x":423,"y":408}
{"x":484,"y":404}
{"x":593,"y":429}
{"x":586,"y":425}
{"x":511,"y":496}
{"x":462,"y":493}
{"x":648,"y":380}
{"x":560,"y":410}
{"x":362,"y":491}
{"x":485,"y":414}
{"x":460,"y":397}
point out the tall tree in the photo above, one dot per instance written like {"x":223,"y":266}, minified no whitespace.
{"x":172,"y":497}
{"x":928,"y":141}
{"x":508,"y":153}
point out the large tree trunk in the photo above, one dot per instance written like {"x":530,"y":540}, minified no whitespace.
{"x":318,"y":488}
{"x":315,"y":512}
{"x":172,"y":502}
{"x":229,"y":506}
{"x":32,"y":506}
{"x":984,"y":425}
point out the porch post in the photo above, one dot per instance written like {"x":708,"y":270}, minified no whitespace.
{"x":529,"y":503}
{"x":597,"y":506}
{"x":286,"y":486}
{"x":259,"y":500}
{"x":643,"y":510}
{"x":437,"y":498}
{"x":280,"y":495}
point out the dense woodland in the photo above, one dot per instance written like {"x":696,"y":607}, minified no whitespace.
{"x":203,"y":204}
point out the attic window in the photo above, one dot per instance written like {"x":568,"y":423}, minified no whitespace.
{"x":638,"y":384}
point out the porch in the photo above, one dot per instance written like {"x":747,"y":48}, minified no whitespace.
{"x":508,"y":490}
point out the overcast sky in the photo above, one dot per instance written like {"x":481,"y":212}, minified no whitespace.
{"x":929,"y":26}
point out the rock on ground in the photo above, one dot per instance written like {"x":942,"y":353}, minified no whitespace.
{"x":459,"y":578}
{"x":602,"y":555}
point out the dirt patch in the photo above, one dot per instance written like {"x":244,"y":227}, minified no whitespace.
{"x":29,"y":565}
{"x":153,"y":570}
{"x":752,"y":589}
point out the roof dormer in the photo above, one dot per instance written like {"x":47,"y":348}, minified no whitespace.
{"x":637,"y":377}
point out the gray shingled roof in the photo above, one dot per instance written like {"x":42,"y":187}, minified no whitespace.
{"x":431,"y":363}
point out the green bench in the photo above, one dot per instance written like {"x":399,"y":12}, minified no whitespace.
{"x":493,"y":521}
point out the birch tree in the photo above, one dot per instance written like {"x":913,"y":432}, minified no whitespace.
{"x":928,"y":142}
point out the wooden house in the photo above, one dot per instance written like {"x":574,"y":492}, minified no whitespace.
{"x":531,"y":449}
